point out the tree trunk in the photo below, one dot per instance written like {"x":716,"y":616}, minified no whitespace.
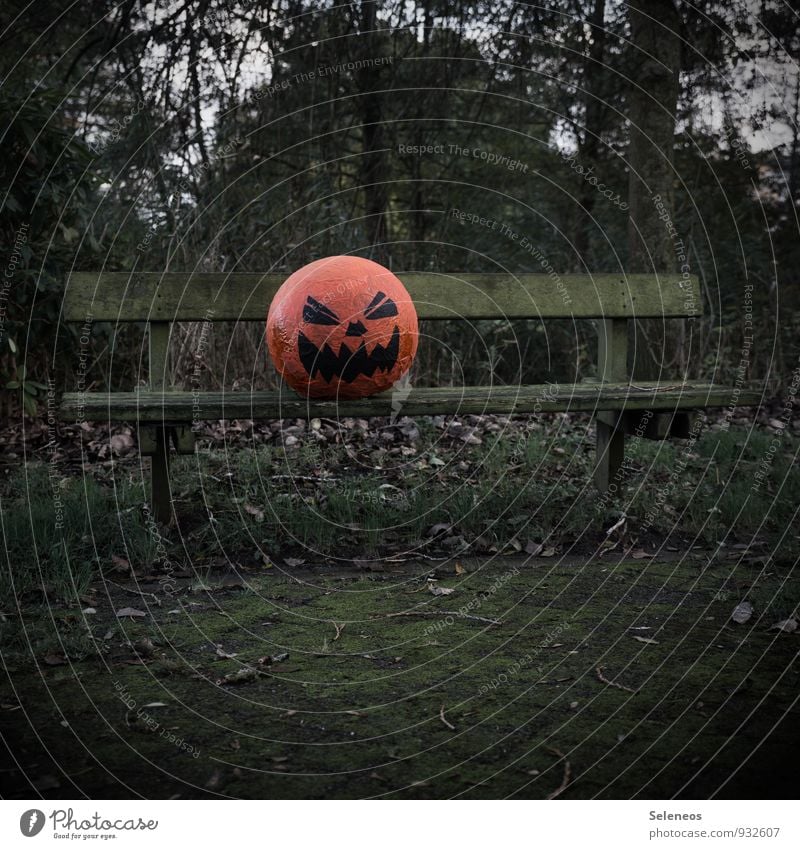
{"x":374,"y":166}
{"x":589,"y":141}
{"x":653,"y":238}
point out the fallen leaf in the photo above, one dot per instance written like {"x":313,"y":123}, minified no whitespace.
{"x":460,"y":570}
{"x":144,"y":646}
{"x":156,"y":704}
{"x":293,"y":562}
{"x":241,"y":676}
{"x":788,"y":626}
{"x":533,"y":548}
{"x":224,"y":654}
{"x":132,"y":612}
{"x":120,"y":563}
{"x":645,"y":640}
{"x":742,"y":612}
{"x":269,"y":659}
{"x":256,"y":512}
{"x":88,"y":611}
{"x":435,"y":530}
{"x":640,"y":554}
{"x":548,"y":552}
{"x":214,"y":781}
{"x":435,"y":589}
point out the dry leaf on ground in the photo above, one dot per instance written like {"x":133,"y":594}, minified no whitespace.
{"x":130,"y":612}
{"x":742,"y":612}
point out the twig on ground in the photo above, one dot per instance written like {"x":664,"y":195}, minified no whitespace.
{"x":610,"y":683}
{"x":440,"y":613}
{"x":339,"y":629}
{"x":141,"y":593}
{"x":567,"y":774}
{"x":302,"y":478}
{"x":442,"y":717}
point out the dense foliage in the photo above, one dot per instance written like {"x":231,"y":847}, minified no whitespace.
{"x":261,"y":134}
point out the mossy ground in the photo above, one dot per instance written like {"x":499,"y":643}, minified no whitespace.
{"x":371,"y":704}
{"x":355,"y":709}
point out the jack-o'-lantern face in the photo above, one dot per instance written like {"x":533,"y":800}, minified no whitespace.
{"x":342,"y":327}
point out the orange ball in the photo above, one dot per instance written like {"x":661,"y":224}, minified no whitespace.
{"x":342,"y":327}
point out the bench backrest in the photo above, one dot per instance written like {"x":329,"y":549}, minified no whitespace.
{"x":211,"y":296}
{"x":162,"y":298}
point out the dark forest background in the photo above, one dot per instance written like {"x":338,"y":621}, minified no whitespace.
{"x":257,"y":136}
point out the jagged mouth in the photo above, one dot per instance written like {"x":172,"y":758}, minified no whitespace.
{"x":347,"y":365}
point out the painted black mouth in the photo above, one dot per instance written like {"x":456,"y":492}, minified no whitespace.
{"x":347,"y":365}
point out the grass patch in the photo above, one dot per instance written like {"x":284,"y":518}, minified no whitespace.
{"x":356,"y":500}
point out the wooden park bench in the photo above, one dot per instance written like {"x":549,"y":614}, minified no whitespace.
{"x":165,"y":416}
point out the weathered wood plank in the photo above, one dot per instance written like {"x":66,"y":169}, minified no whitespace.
{"x":160,"y":500}
{"x":158,"y":370}
{"x":179,"y":296}
{"x":612,"y":349}
{"x":612,"y":367}
{"x":181,"y":407}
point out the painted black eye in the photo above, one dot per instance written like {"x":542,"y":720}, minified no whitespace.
{"x":316,"y":313}
{"x":380,"y":308}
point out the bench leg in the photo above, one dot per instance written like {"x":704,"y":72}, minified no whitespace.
{"x":610,"y":450}
{"x":159,"y":492}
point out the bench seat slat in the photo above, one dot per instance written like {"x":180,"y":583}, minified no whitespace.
{"x":208,"y":296}
{"x":181,"y":407}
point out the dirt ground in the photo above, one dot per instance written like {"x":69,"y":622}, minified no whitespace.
{"x":470,"y":678}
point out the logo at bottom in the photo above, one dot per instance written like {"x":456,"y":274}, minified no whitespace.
{"x":31,"y":822}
